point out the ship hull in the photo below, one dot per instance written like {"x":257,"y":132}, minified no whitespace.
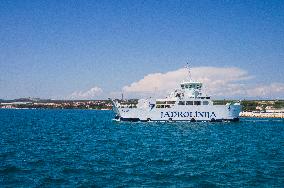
{"x":195,"y":113}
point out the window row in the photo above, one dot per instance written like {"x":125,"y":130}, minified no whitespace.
{"x":165,"y":102}
{"x":192,"y":103}
{"x":163,"y":106}
{"x":190,"y":86}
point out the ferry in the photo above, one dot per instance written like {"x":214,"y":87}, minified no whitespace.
{"x":186,"y":103}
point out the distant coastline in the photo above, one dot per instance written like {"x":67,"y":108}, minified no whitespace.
{"x":35,"y":103}
{"x":251,"y":108}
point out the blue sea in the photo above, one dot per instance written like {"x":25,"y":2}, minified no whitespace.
{"x":84,"y":148}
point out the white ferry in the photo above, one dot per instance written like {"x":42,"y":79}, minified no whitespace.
{"x":187,"y":103}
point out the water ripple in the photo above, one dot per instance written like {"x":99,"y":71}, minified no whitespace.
{"x":84,"y":148}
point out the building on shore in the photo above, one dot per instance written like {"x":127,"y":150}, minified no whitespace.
{"x":271,"y":113}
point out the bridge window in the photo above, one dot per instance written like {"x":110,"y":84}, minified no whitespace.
{"x":207,"y":97}
{"x":171,"y":102}
{"x":182,"y":86}
{"x":205,"y":102}
{"x":189,"y":102}
{"x":197,"y":102}
{"x":160,"y":102}
{"x":181,"y":103}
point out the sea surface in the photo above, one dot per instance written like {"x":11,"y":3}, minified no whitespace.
{"x":84,"y":148}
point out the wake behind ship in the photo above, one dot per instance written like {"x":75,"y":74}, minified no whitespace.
{"x":187,"y":103}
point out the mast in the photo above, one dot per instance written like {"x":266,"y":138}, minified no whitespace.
{"x":188,"y":71}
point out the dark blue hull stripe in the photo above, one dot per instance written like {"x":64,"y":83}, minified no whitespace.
{"x":138,"y":120}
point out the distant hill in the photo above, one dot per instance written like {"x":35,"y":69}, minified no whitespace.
{"x":25,"y":100}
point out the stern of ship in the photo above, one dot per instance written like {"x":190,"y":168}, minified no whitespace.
{"x":234,"y":111}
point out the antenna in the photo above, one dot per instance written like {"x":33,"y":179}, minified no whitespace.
{"x":188,"y":69}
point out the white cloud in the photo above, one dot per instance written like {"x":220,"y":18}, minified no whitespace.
{"x":115,"y":94}
{"x":92,"y":93}
{"x":273,"y":90}
{"x":218,"y":82}
{"x":215,"y":80}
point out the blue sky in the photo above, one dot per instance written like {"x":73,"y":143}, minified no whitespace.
{"x":54,"y":49}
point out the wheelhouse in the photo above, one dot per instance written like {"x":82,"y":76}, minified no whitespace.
{"x":191,"y":85}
